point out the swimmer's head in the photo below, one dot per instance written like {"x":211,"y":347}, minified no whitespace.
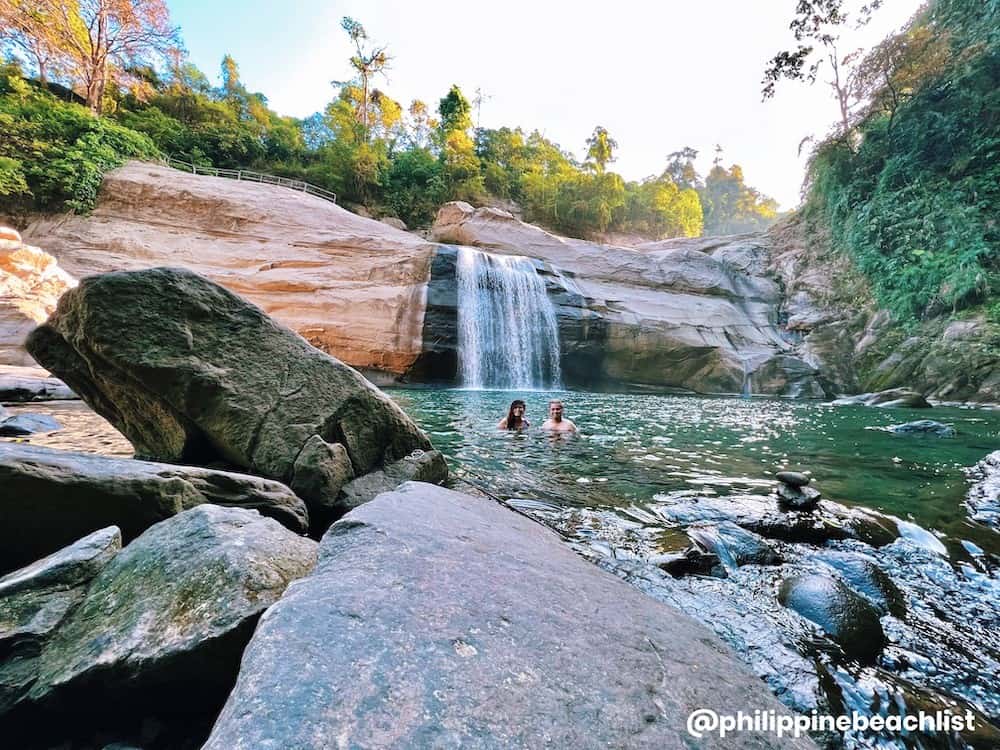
{"x":556,"y":410}
{"x":515,"y":413}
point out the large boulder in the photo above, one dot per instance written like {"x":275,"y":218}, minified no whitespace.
{"x":37,"y":598}
{"x":190,"y":372}
{"x":436,"y":619}
{"x":163,"y":625}
{"x":53,"y":497}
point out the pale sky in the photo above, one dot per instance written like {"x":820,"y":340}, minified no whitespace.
{"x":659,"y":74}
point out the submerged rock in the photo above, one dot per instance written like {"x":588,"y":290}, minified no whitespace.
{"x":692,"y":561}
{"x":27,"y":423}
{"x":922,"y":427}
{"x":847,"y":617}
{"x":164,"y":623}
{"x":435,"y":619}
{"x":53,"y":497}
{"x":191,"y":373}
{"x":864,"y":576}
{"x":36,"y":599}
{"x":983,"y":498}
{"x":734,"y":546}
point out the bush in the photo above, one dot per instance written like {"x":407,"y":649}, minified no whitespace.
{"x":54,"y":154}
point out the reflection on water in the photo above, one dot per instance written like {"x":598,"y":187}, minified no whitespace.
{"x":83,"y":431}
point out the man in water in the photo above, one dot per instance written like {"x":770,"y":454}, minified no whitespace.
{"x":556,"y":422}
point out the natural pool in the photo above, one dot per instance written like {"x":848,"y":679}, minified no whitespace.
{"x":614,"y":490}
{"x":632,"y":448}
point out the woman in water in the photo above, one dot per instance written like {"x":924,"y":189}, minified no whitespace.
{"x":515,"y":417}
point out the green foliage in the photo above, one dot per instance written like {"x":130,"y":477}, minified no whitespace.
{"x":54,"y":154}
{"x":915,"y":203}
{"x":731,"y":206}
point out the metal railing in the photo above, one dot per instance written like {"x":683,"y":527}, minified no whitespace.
{"x":246,"y":175}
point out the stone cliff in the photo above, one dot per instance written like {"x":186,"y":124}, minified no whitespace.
{"x":699,"y":314}
{"x":351,"y":286}
{"x":772,"y":313}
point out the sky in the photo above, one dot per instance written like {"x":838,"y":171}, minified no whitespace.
{"x":658,"y":74}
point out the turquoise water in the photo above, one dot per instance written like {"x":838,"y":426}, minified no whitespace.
{"x":632,"y":448}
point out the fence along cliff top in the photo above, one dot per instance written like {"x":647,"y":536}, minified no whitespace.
{"x":247,"y":175}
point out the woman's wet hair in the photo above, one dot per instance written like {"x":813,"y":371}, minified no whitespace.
{"x":514,"y":422}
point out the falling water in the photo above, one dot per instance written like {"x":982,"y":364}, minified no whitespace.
{"x":507,"y":332}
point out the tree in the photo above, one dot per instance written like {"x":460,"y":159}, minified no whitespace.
{"x":99,"y":39}
{"x":680,"y":168}
{"x":367,"y":62}
{"x":24,"y":30}
{"x":455,"y":111}
{"x":600,"y":149}
{"x":815,"y":29}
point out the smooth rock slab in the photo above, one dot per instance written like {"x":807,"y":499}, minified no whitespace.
{"x":51,"y":498}
{"x":21,"y":388}
{"x":27,"y":423}
{"x":435,"y":619}
{"x":164,"y":623}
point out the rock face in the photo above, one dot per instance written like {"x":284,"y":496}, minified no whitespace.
{"x":36,"y":599}
{"x":829,"y":306}
{"x":163,"y":624}
{"x":435,"y":619}
{"x":893,"y":397}
{"x":351,"y":286}
{"x":53,"y":497}
{"x":849,"y":619}
{"x":30,"y":284}
{"x":191,"y":373}
{"x":693,"y":314}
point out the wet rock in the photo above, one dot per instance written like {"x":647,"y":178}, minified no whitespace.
{"x":165,"y":622}
{"x":922,"y":427}
{"x":733,"y":545}
{"x":903,"y":397}
{"x":864,"y":576}
{"x":4,"y":413}
{"x":793,"y":478}
{"x":18,"y":388}
{"x":37,"y":598}
{"x":53,"y":497}
{"x":847,"y":617}
{"x":799,"y":498}
{"x":435,"y":619}
{"x":191,"y":373}
{"x":692,"y":561}
{"x":420,"y":466}
{"x":27,"y":423}
{"x":763,"y":515}
{"x":983,"y":498}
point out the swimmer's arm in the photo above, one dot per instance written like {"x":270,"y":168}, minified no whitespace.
{"x":502,"y":424}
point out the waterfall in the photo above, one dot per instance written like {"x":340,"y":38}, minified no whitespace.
{"x":507,"y":332}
